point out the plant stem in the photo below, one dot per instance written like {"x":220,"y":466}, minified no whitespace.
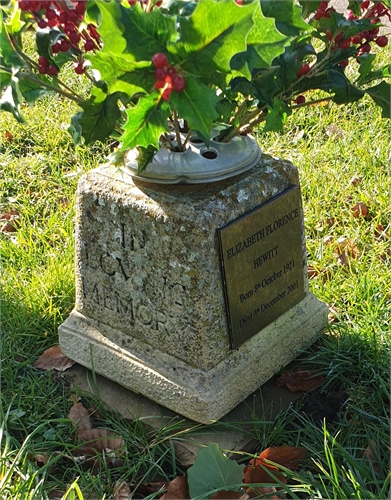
{"x":177,"y":131}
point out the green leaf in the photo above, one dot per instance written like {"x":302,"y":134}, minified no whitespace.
{"x":381,"y":95}
{"x":211,"y":471}
{"x":266,"y":86}
{"x":75,"y":129}
{"x":344,"y":91}
{"x":309,"y":6}
{"x":122,"y":73}
{"x":197,"y":105}
{"x":288,"y":16}
{"x":11,"y":100}
{"x":212,"y":35}
{"x":32,"y":91}
{"x":134,"y":32}
{"x":146,"y":122}
{"x":8,"y":55}
{"x":264,"y":43}
{"x":100,"y":115}
{"x":366,"y":62}
{"x":145,"y":156}
{"x":276,"y":116}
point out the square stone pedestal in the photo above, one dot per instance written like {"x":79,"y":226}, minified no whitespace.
{"x":150,"y":310}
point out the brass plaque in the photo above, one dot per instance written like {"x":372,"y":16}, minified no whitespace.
{"x":262,"y":264}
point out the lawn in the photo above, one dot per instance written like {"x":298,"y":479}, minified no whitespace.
{"x":342,"y":154}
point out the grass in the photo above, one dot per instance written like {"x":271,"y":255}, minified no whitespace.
{"x":330,"y":146}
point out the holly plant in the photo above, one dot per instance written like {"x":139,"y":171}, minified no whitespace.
{"x":158,"y":72}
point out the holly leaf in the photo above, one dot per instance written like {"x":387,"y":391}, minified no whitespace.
{"x":381,"y":95}
{"x":134,"y":32}
{"x":32,"y":91}
{"x":211,"y":471}
{"x":366,"y":62}
{"x":122,"y":73}
{"x":288,"y":16}
{"x":344,"y":91}
{"x":100,"y":115}
{"x":145,"y":156}
{"x":264,"y":43}
{"x":212,"y":35}
{"x":309,"y":6}
{"x":196,"y":104}
{"x":146,"y":122}
{"x":11,"y":100}
{"x":8,"y":55}
{"x":276,"y":116}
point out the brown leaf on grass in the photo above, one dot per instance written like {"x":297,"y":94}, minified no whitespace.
{"x":41,"y":459}
{"x":369,"y":452}
{"x":178,"y":489}
{"x":122,"y":491}
{"x":54,"y":359}
{"x":228,"y":494}
{"x":99,"y":440}
{"x":287,"y":456}
{"x":265,"y":492}
{"x":355,"y":180}
{"x":81,"y":417}
{"x":343,"y":260}
{"x":300,"y":380}
{"x":312,"y":272}
{"x":348,"y":246}
{"x":8,"y":136}
{"x":334,"y":132}
{"x":262,"y":472}
{"x":380,"y":232}
{"x":327,"y":240}
{"x":360,"y":210}
{"x":9,"y":222}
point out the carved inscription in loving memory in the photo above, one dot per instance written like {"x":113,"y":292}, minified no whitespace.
{"x":262,"y":265}
{"x":120,"y":292}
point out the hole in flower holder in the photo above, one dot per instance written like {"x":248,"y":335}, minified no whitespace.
{"x":209,"y":154}
{"x":196,"y":140}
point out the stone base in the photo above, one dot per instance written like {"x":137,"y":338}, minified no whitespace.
{"x":200,"y":395}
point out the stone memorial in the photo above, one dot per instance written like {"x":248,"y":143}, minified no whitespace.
{"x":191,"y":295}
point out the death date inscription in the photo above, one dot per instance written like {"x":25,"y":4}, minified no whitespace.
{"x":262,"y":265}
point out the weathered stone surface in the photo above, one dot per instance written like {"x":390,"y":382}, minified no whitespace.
{"x":150,"y":304}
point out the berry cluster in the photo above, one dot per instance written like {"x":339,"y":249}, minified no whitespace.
{"x":166,"y":76}
{"x":67,"y":19}
{"x":370,"y":11}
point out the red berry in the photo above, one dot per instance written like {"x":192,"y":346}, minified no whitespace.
{"x":329,"y":35}
{"x":56,"y":47}
{"x":74,"y":37}
{"x":52,"y":22}
{"x":178,"y":83}
{"x":78,"y":68}
{"x":344,"y":63}
{"x":344,"y":44}
{"x":300,"y":99}
{"x":160,"y":73}
{"x":42,"y":69}
{"x":63,"y":18}
{"x":159,"y":60}
{"x":81,"y":8}
{"x":350,"y":15}
{"x":159,"y":3}
{"x":89,"y":45}
{"x":42,"y":24}
{"x":304,"y":69}
{"x":72,"y":16}
{"x":166,"y":94}
{"x":93,"y":32}
{"x":64,"y":45}
{"x":239,"y":2}
{"x":52,"y":70}
{"x":51,"y":14}
{"x":364,"y":5}
{"x":382,"y":41}
{"x":132,"y":2}
{"x":24,"y":5}
{"x":69,"y":28}
{"x":42,"y":61}
{"x":357,"y":38}
{"x":366,"y":48}
{"x":159,"y":84}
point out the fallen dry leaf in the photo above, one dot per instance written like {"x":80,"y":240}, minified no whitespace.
{"x":146,"y":489}
{"x":122,"y":491}
{"x":360,"y":209}
{"x":99,"y":440}
{"x":342,"y":259}
{"x":9,"y":222}
{"x":300,"y":380}
{"x":327,"y":240}
{"x":348,"y":245}
{"x":355,"y":180}
{"x":333,"y":131}
{"x":265,"y":492}
{"x":53,"y":359}
{"x":312,"y":272}
{"x":369,"y":452}
{"x":287,"y":456}
{"x":81,"y":417}
{"x":380,"y":232}
{"x":178,"y":489}
{"x":8,"y":136}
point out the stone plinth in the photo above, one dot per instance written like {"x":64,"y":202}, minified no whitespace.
{"x":150,"y":311}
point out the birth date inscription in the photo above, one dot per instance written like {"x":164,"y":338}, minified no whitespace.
{"x":262,"y":265}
